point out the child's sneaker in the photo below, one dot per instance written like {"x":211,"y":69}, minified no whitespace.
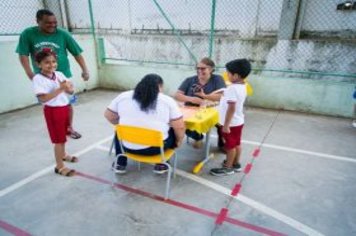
{"x":236,"y":167}
{"x":119,"y":169}
{"x":160,"y":169}
{"x":222,"y":171}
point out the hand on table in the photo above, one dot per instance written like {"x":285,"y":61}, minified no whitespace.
{"x":196,"y":100}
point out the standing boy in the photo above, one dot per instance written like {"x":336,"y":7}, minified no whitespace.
{"x":232,"y":117}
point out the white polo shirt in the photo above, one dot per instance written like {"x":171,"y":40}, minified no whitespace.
{"x":43,"y":85}
{"x":129,"y":113}
{"x":235,"y":94}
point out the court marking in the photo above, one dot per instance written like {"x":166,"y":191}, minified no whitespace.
{"x":13,"y":229}
{"x":46,"y":170}
{"x":296,"y":150}
{"x":252,"y":203}
{"x":248,"y":201}
{"x":182,"y":205}
{"x":242,"y":198}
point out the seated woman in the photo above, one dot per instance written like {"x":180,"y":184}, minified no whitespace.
{"x":147,"y":107}
{"x":203,"y":86}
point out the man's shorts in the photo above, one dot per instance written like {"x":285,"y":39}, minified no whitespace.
{"x":233,"y":138}
{"x":57,"y":119}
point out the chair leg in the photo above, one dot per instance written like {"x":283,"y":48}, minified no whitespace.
{"x":175,"y":165}
{"x":168,"y":182}
{"x":112,"y":170}
{"x":112,"y":146}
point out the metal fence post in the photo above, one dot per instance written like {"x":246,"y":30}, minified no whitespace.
{"x":212,"y":28}
{"x":175,"y":31}
{"x":92,"y":29}
{"x":63,"y":11}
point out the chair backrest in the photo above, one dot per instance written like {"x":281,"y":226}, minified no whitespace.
{"x":139,"y":135}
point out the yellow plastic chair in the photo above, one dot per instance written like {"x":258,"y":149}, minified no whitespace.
{"x":146,"y":137}
{"x":249,"y":88}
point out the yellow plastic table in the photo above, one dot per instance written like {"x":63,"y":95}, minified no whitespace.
{"x":201,"y":120}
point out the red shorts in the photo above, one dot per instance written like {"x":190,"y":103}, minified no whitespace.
{"x":233,"y":138}
{"x":57,"y":119}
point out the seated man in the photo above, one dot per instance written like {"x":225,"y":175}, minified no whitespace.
{"x":203,"y":86}
{"x":147,"y":107}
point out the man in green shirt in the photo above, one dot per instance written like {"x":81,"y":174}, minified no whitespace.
{"x":47,"y":35}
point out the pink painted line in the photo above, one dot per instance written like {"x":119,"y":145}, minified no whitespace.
{"x":255,"y":228}
{"x":13,"y":229}
{"x":256,"y":152}
{"x":236,"y":190}
{"x":222,"y":216}
{"x":247,"y":168}
{"x":183,"y":206}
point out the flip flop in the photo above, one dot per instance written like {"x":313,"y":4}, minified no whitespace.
{"x":70,"y":158}
{"x":64,"y":171}
{"x":74,"y":135}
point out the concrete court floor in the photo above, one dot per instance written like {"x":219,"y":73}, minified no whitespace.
{"x":302,"y":182}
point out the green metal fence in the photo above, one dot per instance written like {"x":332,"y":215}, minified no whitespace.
{"x":180,"y":32}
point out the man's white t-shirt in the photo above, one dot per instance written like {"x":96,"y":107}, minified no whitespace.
{"x":129,"y":113}
{"x":235,"y":94}
{"x":44,"y":85}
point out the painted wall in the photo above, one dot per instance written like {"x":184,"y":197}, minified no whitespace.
{"x":307,"y":95}
{"x":16,"y":89}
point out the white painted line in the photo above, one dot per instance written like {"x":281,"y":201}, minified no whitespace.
{"x":248,"y":201}
{"x":46,"y":170}
{"x":318,"y":154}
{"x":103,"y":148}
{"x":256,"y":205}
{"x":27,"y":180}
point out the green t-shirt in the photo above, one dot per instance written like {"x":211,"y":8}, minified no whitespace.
{"x":32,"y":40}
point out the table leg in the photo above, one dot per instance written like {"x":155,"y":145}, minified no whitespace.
{"x":200,"y":165}
{"x":207,"y":146}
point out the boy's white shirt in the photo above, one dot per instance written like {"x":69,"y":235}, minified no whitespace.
{"x":234,"y":93}
{"x":44,"y":85}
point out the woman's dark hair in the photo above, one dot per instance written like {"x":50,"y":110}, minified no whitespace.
{"x":146,"y":91}
{"x":43,"y":12}
{"x":43,"y":54}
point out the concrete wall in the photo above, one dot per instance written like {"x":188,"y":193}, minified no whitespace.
{"x":307,"y":95}
{"x":16,"y":89}
{"x":271,"y":90}
{"x":300,"y":55}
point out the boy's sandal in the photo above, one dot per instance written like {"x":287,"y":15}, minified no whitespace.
{"x":64,"y":171}
{"x":74,"y":134}
{"x":69,"y":158}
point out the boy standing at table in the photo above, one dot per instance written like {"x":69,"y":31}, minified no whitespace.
{"x":231,"y":116}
